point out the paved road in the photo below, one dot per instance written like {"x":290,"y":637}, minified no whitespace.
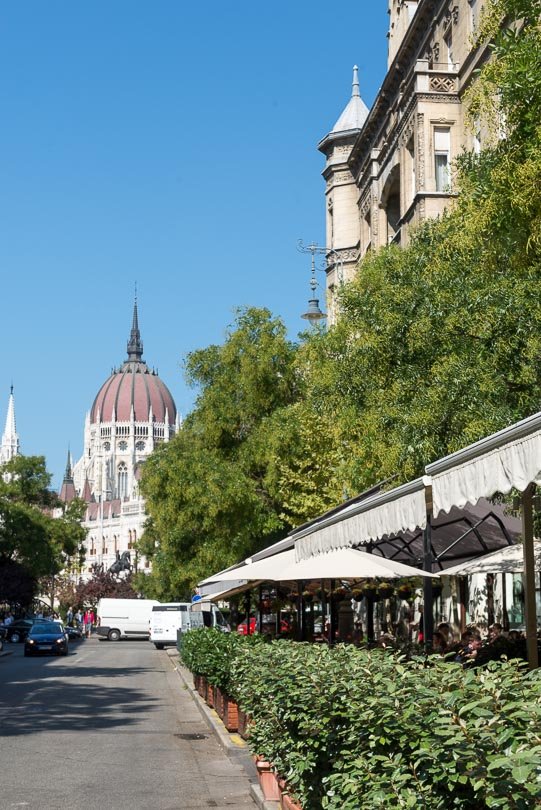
{"x":108,"y":727}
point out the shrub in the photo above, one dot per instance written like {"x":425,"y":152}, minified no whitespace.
{"x":351,"y":729}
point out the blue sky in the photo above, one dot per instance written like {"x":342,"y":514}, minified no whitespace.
{"x":167,"y":143}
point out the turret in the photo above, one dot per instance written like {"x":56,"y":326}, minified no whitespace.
{"x":342,"y":214}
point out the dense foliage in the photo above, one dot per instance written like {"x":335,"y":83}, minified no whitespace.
{"x":218,"y":490}
{"x":352,"y":730}
{"x":212,"y":653}
{"x":41,"y":544}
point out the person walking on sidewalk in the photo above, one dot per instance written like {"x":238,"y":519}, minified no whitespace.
{"x":88,"y":621}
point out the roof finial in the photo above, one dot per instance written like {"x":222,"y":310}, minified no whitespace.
{"x":135,"y":344}
{"x":355,"y":86}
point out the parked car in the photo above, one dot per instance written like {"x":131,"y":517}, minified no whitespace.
{"x":74,"y":633}
{"x":242,"y":631}
{"x":242,"y":627}
{"x":19,"y":629}
{"x":47,"y":637}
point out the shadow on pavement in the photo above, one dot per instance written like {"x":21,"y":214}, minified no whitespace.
{"x":62,"y":699}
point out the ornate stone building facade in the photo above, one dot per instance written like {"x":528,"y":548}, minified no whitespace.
{"x":132,"y":413}
{"x":390,"y":168}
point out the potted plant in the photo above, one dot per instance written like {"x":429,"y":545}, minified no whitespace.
{"x":405,"y":591}
{"x":370,"y":590}
{"x":385,"y":589}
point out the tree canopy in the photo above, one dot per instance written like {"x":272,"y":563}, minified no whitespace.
{"x":437,"y":345}
{"x":30,"y":535}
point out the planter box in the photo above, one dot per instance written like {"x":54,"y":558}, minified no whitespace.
{"x":231,"y":714}
{"x":202,"y":686}
{"x":244,"y":722}
{"x":209,"y":694}
{"x":268,"y":781}
{"x":287,"y":803}
{"x":219,"y":701}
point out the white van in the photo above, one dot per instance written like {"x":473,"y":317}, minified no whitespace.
{"x":124,"y":618}
{"x":209,"y":615}
{"x":165,"y":620}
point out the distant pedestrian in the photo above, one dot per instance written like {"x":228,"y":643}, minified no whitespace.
{"x":69,"y":616}
{"x":79,"y":620}
{"x":88,"y":620}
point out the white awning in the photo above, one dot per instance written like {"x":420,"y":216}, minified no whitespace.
{"x":508,"y":459}
{"x":266,"y":569}
{"x":509,"y":560}
{"x":344,"y":564}
{"x":400,"y":509}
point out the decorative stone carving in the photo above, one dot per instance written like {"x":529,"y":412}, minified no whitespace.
{"x":342,"y":150}
{"x":442,"y":84}
{"x":451,"y":15}
{"x":346,"y":255}
{"x":342,"y":177}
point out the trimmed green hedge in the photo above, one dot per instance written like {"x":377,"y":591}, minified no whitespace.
{"x":352,"y":729}
{"x":211,"y":653}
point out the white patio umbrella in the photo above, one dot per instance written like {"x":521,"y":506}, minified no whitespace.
{"x":345,"y":563}
{"x":509,"y":560}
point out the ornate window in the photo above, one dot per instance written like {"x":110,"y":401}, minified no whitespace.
{"x":442,"y":157}
{"x":107,"y":446}
{"x":122,"y":481}
{"x":140,"y":446}
{"x":123,"y":445}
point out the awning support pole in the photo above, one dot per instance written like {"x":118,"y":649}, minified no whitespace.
{"x":529,"y":576}
{"x":428,"y":599}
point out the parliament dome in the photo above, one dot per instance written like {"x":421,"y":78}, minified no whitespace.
{"x":134,"y":391}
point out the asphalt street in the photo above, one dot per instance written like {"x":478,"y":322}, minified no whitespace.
{"x":109,"y":727}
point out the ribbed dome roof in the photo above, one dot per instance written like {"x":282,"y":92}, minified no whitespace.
{"x":134,"y":386}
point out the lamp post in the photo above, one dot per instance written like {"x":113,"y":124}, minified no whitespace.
{"x":314,"y":313}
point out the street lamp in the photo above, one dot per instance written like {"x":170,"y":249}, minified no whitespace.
{"x":314,"y":313}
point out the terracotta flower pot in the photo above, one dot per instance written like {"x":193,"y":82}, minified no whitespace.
{"x":268,"y":781}
{"x":230,"y":715}
{"x":218,"y":701}
{"x":208,"y":694}
{"x":287,"y":803}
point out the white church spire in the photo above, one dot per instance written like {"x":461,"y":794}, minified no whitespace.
{"x":10,"y":439}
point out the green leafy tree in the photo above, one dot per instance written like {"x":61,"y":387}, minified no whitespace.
{"x":29,"y":533}
{"x":206,"y":490}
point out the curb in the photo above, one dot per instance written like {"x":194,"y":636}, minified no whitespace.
{"x":233,"y":745}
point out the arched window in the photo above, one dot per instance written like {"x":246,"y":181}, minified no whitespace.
{"x":122,"y":481}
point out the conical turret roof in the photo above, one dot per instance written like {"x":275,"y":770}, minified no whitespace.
{"x":355,"y":113}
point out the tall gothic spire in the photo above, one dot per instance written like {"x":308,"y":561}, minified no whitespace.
{"x":135,"y":344}
{"x":10,"y":439}
{"x":68,"y":475}
{"x":67,"y":492}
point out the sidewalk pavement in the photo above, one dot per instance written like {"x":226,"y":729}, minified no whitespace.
{"x":233,"y":744}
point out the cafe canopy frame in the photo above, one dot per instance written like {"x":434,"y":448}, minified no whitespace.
{"x":506,"y":460}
